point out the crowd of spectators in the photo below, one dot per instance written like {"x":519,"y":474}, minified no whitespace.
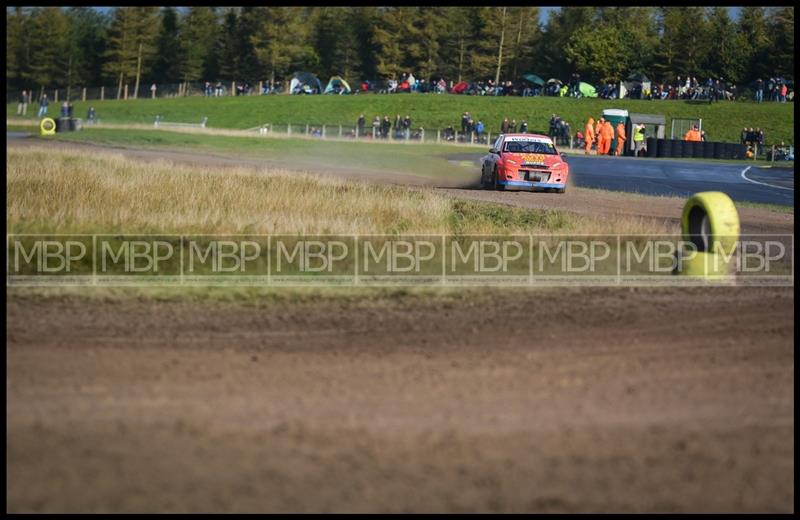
{"x":777,"y":90}
{"x":383,"y":128}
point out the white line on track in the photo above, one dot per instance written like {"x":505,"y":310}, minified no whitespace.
{"x":762,"y":183}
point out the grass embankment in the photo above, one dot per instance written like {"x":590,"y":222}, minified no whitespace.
{"x":416,"y":159}
{"x":722,"y":121}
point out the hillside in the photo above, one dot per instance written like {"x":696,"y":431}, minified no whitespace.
{"x":721,"y":121}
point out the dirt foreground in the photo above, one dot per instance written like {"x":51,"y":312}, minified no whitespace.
{"x":615,"y":400}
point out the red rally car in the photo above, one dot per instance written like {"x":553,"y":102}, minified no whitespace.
{"x":525,"y":162}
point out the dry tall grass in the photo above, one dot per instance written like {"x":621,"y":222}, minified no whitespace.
{"x":58,"y":191}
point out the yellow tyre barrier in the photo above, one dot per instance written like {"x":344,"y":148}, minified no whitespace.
{"x":705,"y":265}
{"x":47,"y":127}
{"x":710,"y":221}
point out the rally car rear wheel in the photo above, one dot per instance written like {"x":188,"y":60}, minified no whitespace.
{"x":495,"y":182}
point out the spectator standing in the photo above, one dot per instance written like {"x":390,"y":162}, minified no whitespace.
{"x":504,"y":126}
{"x":759,"y":90}
{"x":784,"y":91}
{"x":464,"y":120}
{"x":69,"y":109}
{"x":360,"y":125}
{"x":22,"y":108}
{"x":64,"y":109}
{"x":407,"y":126}
{"x":523,"y":127}
{"x":90,"y":116}
{"x":398,"y":123}
{"x":43,"y":106}
{"x":479,"y":129}
{"x":512,"y":128}
{"x":743,"y":137}
{"x":376,"y":126}
{"x":153,"y":89}
{"x":387,"y":125}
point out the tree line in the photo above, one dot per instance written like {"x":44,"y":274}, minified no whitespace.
{"x":82,"y":46}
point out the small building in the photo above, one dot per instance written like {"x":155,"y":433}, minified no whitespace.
{"x":616,"y":116}
{"x":655,"y":126}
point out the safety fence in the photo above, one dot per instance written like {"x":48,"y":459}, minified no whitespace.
{"x":145,"y":91}
{"x":377,"y":134}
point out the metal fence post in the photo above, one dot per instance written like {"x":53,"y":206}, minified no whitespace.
{"x":306,"y":128}
{"x":340,"y":131}
{"x":83,"y":94}
{"x":323,"y":131}
{"x":102,"y":93}
{"x":438,"y":135}
{"x":56,"y":96}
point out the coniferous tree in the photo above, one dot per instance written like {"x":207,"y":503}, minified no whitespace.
{"x":457,"y":41}
{"x":726,"y":48}
{"x":198,"y":32}
{"x":755,"y":35}
{"x":169,"y":55}
{"x":281,"y":41}
{"x":226,"y":46}
{"x":560,"y":27}
{"x":396,"y":41}
{"x":48,"y":47}
{"x":781,"y":49}
{"x":249,"y":25}
{"x":525,"y":38}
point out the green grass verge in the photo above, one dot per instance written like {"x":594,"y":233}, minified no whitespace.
{"x":418,"y":160}
{"x":721,"y":121}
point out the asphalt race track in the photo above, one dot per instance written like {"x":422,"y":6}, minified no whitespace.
{"x":677,"y":178}
{"x":682,"y":178}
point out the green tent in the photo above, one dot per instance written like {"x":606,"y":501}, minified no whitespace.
{"x":337,"y":81}
{"x":587,"y":90}
{"x":533,"y":78}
